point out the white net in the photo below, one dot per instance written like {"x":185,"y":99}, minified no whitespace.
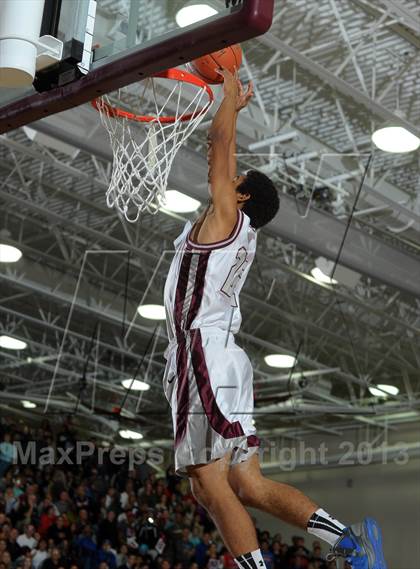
{"x":144,"y":148}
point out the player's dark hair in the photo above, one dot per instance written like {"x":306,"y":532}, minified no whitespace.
{"x":264,"y":202}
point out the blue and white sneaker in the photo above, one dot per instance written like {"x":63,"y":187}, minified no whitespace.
{"x":361,"y":546}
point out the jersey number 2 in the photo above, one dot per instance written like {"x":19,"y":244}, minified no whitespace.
{"x":235,"y":273}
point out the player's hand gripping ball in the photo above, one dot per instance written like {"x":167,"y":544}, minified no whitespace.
{"x":208,"y":66}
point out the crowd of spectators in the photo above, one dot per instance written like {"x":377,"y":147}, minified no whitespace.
{"x":90,"y":516}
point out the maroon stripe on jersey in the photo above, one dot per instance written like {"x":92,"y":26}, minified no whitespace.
{"x":197,"y":296}
{"x":181,"y":289}
{"x":183,"y":285}
{"x":182,"y":394}
{"x":214,"y":415}
{"x":253,"y":441}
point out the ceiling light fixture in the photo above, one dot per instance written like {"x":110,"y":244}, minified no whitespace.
{"x":12,"y":343}
{"x":392,"y":137}
{"x":280,"y":360}
{"x":321,"y":277}
{"x":179,"y":202}
{"x":135,"y":385}
{"x":152,"y":311}
{"x":194,"y":13}
{"x":383,"y":390}
{"x":28,"y":404}
{"x":9,"y":254}
{"x":323,"y":270}
{"x":395,"y":139}
{"x":133,"y":435}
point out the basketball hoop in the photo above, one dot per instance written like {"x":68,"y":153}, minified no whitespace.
{"x":145,"y":145}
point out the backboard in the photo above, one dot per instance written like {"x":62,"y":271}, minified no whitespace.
{"x":108,"y":44}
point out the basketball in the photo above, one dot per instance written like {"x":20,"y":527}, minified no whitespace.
{"x":206,"y":67}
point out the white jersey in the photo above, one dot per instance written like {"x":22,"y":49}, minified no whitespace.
{"x":204,"y":281}
{"x":208,"y":378}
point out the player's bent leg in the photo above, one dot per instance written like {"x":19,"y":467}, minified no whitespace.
{"x":210,"y":487}
{"x":359,"y":544}
{"x":280,"y":500}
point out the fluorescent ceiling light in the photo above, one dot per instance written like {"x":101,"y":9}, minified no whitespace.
{"x":280,"y":360}
{"x":395,"y":139}
{"x":28,"y":404}
{"x":152,"y":311}
{"x":179,"y":202}
{"x":135,"y":385}
{"x":9,"y":254}
{"x":383,"y":390}
{"x":133,"y":435}
{"x":11,"y":343}
{"x":322,"y":277}
{"x":194,"y":13}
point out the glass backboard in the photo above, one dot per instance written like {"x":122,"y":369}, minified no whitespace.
{"x":119,"y":42}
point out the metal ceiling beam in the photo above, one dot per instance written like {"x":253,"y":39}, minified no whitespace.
{"x":64,"y":405}
{"x":362,"y":252}
{"x":337,"y":83}
{"x":42,"y":287}
{"x":103,"y":151}
{"x":65,"y":222}
{"x":49,"y":290}
{"x":273,"y":348}
{"x":404,"y":13}
{"x":402,"y":30}
{"x":43,"y":324}
{"x":66,"y":383}
{"x":320,"y":232}
{"x":266,"y":305}
{"x":59,"y":296}
{"x":285,"y":267}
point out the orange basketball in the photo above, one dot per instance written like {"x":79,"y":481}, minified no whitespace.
{"x":206,"y":67}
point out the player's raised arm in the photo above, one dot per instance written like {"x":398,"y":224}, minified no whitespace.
{"x":242,"y":100}
{"x":221,"y":137}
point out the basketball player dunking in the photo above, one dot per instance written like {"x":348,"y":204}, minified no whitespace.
{"x":208,"y":377}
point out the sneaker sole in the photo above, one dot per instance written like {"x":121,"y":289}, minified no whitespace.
{"x":372,"y":542}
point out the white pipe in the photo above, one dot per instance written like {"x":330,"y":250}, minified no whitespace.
{"x":20,"y":25}
{"x":297,"y":406}
{"x":401,"y":229}
{"x":376,"y":209}
{"x":283,"y":137}
{"x":285,"y":377}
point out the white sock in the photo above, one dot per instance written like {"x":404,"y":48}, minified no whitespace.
{"x":325,"y":526}
{"x":251,"y":560}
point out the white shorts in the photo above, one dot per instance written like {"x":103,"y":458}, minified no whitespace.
{"x":208,"y":384}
